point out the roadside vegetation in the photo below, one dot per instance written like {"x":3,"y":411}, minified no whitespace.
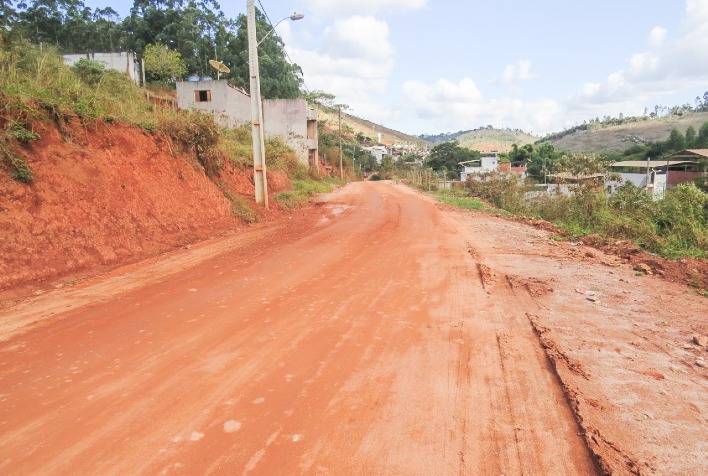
{"x":175,"y":38}
{"x":303,"y":189}
{"x":458,"y":198}
{"x":673,"y":227}
{"x":36,"y":86}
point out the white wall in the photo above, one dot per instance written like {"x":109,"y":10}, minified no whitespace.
{"x":123,"y":62}
{"x":231,"y":107}
{"x":287,"y":119}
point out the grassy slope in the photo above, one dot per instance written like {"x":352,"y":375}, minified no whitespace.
{"x":494,"y":140}
{"x":370,"y":129}
{"x":616,"y":138}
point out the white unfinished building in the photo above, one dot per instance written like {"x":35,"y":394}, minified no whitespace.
{"x":290,"y":119}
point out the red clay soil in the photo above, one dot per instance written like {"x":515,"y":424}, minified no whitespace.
{"x":690,"y":271}
{"x":378,"y":333}
{"x":106,"y":195}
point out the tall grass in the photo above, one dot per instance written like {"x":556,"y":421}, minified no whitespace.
{"x":303,"y":189}
{"x":36,"y":85}
{"x":673,"y":227}
{"x":459,"y":199}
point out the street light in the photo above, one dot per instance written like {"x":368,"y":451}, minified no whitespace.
{"x":259,"y":164}
{"x":294,"y":17}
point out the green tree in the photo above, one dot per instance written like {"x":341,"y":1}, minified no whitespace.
{"x":540,"y":161}
{"x":279,"y":78}
{"x":702,"y":140}
{"x":322,"y":98}
{"x":69,"y":25}
{"x":387,"y":165}
{"x":520,"y":154}
{"x":690,"y":136}
{"x":197,"y":29}
{"x":162,"y":63}
{"x":676,"y":141}
{"x":365,"y":159}
{"x":7,"y":13}
{"x":448,"y":155}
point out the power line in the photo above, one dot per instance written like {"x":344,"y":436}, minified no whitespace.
{"x":286,"y":53}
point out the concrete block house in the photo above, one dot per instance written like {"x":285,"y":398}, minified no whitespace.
{"x":292,"y":120}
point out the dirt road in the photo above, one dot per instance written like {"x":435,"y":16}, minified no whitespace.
{"x":379,"y":334}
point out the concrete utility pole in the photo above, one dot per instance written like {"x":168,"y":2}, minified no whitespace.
{"x":259,"y":165}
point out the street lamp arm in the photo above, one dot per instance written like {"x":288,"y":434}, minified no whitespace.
{"x":293,"y":17}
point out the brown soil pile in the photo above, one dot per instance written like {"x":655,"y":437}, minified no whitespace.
{"x":690,"y":271}
{"x":106,"y":195}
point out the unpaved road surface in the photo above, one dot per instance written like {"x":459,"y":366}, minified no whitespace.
{"x":380,"y":334}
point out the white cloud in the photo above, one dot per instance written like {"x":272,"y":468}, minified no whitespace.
{"x":461,"y":105}
{"x":657,"y":36}
{"x":671,"y":64}
{"x":354,"y":61}
{"x":365,"y":38}
{"x":521,"y":71}
{"x":361,"y":7}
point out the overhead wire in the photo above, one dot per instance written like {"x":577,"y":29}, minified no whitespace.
{"x":284,"y":51}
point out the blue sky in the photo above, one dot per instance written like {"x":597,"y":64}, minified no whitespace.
{"x":431,"y":66}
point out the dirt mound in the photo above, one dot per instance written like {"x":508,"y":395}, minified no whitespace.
{"x":690,"y":271}
{"x":108,"y":194}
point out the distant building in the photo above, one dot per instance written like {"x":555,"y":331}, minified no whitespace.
{"x":378,"y":151}
{"x":289,"y":119}
{"x":566,"y":183}
{"x":656,"y":176}
{"x":122,"y":61}
{"x":486,"y":163}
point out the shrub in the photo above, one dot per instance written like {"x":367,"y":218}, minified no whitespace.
{"x":502,"y":190}
{"x":682,"y":217}
{"x":674,"y":226}
{"x":280,"y":156}
{"x":20,"y":133}
{"x":236,"y":144}
{"x":89,"y":71}
{"x":22,"y":172}
{"x":200,"y":132}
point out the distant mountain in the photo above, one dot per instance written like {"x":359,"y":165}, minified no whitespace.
{"x":369,"y":129}
{"x":599,"y":138}
{"x":495,"y":140}
{"x":485,"y":139}
{"x":444,"y":137}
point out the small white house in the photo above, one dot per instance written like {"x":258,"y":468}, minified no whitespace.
{"x":486,"y":163}
{"x":378,"y":151}
{"x":293,"y":120}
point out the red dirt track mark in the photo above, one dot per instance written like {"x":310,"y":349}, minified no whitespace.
{"x":367,"y":340}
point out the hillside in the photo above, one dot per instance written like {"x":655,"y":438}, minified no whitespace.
{"x":111,"y":194}
{"x":93,"y":175}
{"x":369,"y":129}
{"x":484,"y":139}
{"x":495,"y":140}
{"x":605,"y":139}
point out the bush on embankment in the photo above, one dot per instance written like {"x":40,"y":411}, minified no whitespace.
{"x":36,"y":86}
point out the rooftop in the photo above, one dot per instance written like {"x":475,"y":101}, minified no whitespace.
{"x":652,"y":163}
